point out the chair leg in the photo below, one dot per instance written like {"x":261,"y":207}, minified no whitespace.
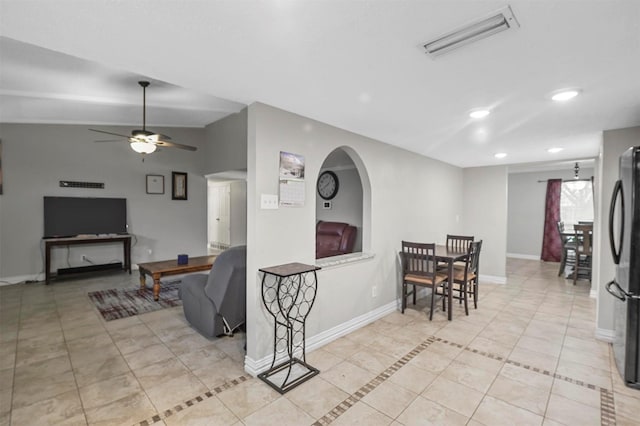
{"x":563,"y":262}
{"x":466,"y":307}
{"x":404,"y":296}
{"x":575,"y":268}
{"x":414,"y":294}
{"x":475,"y":293}
{"x":433,"y":298}
{"x":444,"y":298}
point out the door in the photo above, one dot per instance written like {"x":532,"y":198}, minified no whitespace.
{"x":219,"y":215}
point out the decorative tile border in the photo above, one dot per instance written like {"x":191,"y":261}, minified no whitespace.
{"x":341,"y":408}
{"x":193,"y":401}
{"x":607,"y":407}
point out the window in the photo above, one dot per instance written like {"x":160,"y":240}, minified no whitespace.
{"x":576,"y":201}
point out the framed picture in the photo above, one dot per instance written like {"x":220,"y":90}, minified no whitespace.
{"x":178,"y":186}
{"x":155,"y":184}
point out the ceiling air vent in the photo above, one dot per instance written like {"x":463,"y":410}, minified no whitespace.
{"x":499,"y":21}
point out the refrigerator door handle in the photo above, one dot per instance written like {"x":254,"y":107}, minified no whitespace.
{"x":617,"y":191}
{"x":618,"y":293}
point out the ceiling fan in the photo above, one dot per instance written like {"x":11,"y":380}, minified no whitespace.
{"x":145,"y":141}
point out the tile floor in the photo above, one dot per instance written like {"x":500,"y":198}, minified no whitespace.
{"x":526,"y":356}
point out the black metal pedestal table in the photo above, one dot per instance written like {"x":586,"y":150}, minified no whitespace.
{"x":288,"y":293}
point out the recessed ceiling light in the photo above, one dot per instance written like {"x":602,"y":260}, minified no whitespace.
{"x":500,"y":155}
{"x":565,"y":95}
{"x":554,"y":150}
{"x":479,"y":113}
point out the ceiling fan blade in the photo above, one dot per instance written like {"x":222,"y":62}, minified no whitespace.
{"x":110,"y":133}
{"x":176,"y":145}
{"x":110,"y":140}
{"x":157,"y":137}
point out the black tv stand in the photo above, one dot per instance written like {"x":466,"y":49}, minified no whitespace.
{"x":85,"y":239}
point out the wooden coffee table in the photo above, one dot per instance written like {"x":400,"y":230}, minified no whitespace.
{"x":171,"y":267}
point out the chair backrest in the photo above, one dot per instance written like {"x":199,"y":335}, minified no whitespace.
{"x":459,"y":242}
{"x":474,"y":256}
{"x":582,"y":234}
{"x":227,"y":279}
{"x":418,"y":259}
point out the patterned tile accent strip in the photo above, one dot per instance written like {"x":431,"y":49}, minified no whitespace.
{"x":171,"y":411}
{"x":340,"y":409}
{"x":607,"y":408}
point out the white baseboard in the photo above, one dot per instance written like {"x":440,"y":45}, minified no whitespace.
{"x":255,"y":367}
{"x":493,"y":279}
{"x":605,"y":335}
{"x":523,"y":256}
{"x":593,"y":293}
{"x":20,"y":279}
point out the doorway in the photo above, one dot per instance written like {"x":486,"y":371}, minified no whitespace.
{"x":226,"y":213}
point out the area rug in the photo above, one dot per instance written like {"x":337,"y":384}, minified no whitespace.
{"x":122,"y":303}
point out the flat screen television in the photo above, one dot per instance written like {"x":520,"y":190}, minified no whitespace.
{"x":72,"y":216}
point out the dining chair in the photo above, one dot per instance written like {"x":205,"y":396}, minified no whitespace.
{"x":465,"y":278}
{"x":459,"y":242}
{"x":583,"y":249}
{"x":567,"y":257}
{"x":419,"y":270}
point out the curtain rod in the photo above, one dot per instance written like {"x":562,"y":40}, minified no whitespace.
{"x":567,"y":180}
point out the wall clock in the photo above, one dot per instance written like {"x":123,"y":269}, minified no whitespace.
{"x":328,"y":185}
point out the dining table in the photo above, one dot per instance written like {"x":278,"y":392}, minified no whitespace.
{"x":449,"y":256}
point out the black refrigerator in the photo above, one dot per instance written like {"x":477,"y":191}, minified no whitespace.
{"x":624,"y":236}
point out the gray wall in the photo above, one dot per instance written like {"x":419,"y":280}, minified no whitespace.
{"x":485,"y":216}
{"x":226,"y":147}
{"x":526,"y":209}
{"x":35,"y":157}
{"x":346,"y":206}
{"x":614,"y":143}
{"x":238,"y":212}
{"x":399,"y":186}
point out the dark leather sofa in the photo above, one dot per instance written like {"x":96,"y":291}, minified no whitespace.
{"x":334,"y":238}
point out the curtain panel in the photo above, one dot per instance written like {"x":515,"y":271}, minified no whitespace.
{"x":551,"y":241}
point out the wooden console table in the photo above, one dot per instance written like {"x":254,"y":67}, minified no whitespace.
{"x":171,"y":267}
{"x":74,"y":241}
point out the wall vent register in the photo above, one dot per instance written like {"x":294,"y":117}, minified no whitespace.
{"x":75,"y":184}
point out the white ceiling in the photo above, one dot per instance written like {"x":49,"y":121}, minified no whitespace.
{"x":357,"y":65}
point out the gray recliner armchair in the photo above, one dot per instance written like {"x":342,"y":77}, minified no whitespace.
{"x":216,"y":304}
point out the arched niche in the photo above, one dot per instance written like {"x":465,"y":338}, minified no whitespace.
{"x":352,"y":202}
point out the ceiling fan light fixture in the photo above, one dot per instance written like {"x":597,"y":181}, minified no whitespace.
{"x":565,"y":95}
{"x":499,"y":21}
{"x":142,"y":147}
{"x":479,"y":113}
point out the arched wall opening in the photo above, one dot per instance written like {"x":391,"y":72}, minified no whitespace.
{"x":343,"y":194}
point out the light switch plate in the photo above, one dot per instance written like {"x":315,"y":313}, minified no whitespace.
{"x":268,"y":201}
